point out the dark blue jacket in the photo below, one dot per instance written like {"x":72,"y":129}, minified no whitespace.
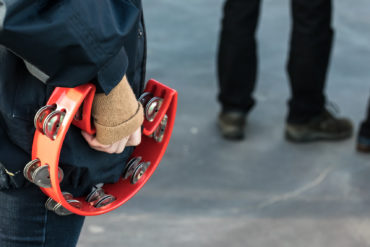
{"x":50,"y":43}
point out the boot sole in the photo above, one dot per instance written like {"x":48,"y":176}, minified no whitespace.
{"x":231,"y":133}
{"x":315,"y":136}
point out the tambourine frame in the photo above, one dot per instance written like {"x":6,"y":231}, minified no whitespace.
{"x":70,"y":100}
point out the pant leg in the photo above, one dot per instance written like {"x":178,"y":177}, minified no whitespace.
{"x":310,"y":47}
{"x":237,"y":58}
{"x":25,"y":222}
{"x":365,"y":125}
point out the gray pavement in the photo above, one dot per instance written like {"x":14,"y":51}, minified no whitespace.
{"x":262,"y":191}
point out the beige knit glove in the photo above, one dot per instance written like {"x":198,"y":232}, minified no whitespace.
{"x":116,"y":115}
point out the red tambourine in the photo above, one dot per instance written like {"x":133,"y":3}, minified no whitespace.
{"x":68,"y":106}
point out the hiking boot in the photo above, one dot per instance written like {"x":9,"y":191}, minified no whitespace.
{"x":232,"y":124}
{"x":323,"y":127}
{"x":363,"y":144}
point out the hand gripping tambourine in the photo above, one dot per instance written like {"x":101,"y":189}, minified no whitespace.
{"x":73,"y":105}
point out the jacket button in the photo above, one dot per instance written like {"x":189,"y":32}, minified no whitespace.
{"x":141,"y":33}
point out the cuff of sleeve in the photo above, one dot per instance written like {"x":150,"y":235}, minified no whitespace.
{"x":110,"y":134}
{"x":112,"y":72}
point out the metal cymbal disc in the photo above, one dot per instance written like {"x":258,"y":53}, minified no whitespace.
{"x":139,"y":172}
{"x":75,"y":203}
{"x":159,"y":132}
{"x":104,"y":201}
{"x":41,"y":115}
{"x":152,"y":108}
{"x":131,"y":166}
{"x":30,"y":168}
{"x":50,"y":204}
{"x":67,"y":195}
{"x":145,"y":97}
{"x":52,"y":123}
{"x":41,"y":176}
{"x":62,"y":211}
{"x":95,"y":194}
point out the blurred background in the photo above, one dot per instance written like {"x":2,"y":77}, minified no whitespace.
{"x":262,"y":191}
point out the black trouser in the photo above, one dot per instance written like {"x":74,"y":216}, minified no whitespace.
{"x":365,"y":125}
{"x":309,"y":53}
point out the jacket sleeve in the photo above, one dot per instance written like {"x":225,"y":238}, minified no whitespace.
{"x":69,"y":42}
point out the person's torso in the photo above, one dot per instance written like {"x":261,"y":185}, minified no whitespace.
{"x":21,"y":95}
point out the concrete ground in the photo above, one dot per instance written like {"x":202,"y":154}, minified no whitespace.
{"x":262,"y":191}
